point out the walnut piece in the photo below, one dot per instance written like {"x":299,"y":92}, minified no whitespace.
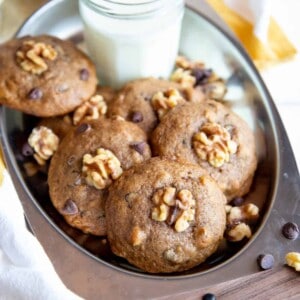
{"x":32,"y":56}
{"x":194,"y":73}
{"x":174,"y":208}
{"x":44,"y":143}
{"x":238,"y":232}
{"x":293,"y":260}
{"x":90,"y":110}
{"x":214,"y":144}
{"x":100,"y":170}
{"x":238,"y":220}
{"x":162,"y":102}
{"x":248,"y":213}
{"x":183,"y":77}
{"x":138,"y":236}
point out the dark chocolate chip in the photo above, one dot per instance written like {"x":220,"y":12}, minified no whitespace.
{"x":137,"y":117}
{"x":290,"y":231}
{"x":139,"y":147}
{"x":35,"y":94}
{"x":209,"y":296}
{"x":265,"y":261}
{"x":71,"y":160}
{"x":238,"y":201}
{"x":84,"y":74}
{"x":70,"y":208}
{"x":201,"y":75}
{"x":82,"y":128}
{"x":27,"y":150}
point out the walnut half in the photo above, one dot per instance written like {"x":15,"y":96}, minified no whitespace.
{"x":32,"y":56}
{"x":174,"y":207}
{"x":44,"y":143}
{"x":100,"y":170}
{"x":213,"y":143}
{"x":162,"y":102}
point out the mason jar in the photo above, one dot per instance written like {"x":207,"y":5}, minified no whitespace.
{"x":130,"y":39}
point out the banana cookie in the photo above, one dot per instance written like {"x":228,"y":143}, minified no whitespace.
{"x":44,"y":76}
{"x":165,"y":216}
{"x":87,"y":161}
{"x":145,"y":101}
{"x":214,"y":137}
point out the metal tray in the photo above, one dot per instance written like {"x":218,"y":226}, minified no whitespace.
{"x":84,"y":262}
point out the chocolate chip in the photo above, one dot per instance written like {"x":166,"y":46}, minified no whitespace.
{"x":265,"y":261}
{"x":139,"y":147}
{"x":290,"y":231}
{"x":77,"y":181}
{"x":84,"y":74}
{"x":82,"y":128}
{"x":27,"y":150}
{"x":238,"y":201}
{"x":137,"y":117}
{"x":70,"y":208}
{"x":174,"y":211}
{"x":201,"y":75}
{"x":209,"y":296}
{"x":71,"y":160}
{"x":35,"y":94}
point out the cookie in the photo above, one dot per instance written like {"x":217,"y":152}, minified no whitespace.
{"x":87,"y":161}
{"x":44,"y":76}
{"x":214,"y":137}
{"x":135,"y":101}
{"x":165,"y":216}
{"x":93,"y":109}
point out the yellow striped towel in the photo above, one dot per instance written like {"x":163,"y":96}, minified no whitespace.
{"x":257,"y":30}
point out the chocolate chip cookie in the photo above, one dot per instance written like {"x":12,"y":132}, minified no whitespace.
{"x":214,"y":137}
{"x":144,"y":101}
{"x":165,"y":216}
{"x":44,"y":76}
{"x":87,"y":161}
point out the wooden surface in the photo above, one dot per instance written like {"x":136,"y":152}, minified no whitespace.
{"x":283,"y":283}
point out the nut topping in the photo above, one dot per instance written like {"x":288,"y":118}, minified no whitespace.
{"x":138,"y":236}
{"x":32,"y":56}
{"x":90,"y":110}
{"x":174,"y":208}
{"x":162,"y":102}
{"x":214,"y":144}
{"x":293,"y":260}
{"x":44,"y":143}
{"x":100,"y":170}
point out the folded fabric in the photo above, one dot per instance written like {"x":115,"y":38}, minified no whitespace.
{"x":25,"y":270}
{"x":257,"y":30}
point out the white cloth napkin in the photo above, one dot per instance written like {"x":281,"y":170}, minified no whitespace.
{"x":25,"y":270}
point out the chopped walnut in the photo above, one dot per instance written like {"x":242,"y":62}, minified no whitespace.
{"x":32,"y":56}
{"x":214,"y":144}
{"x":162,"y":102}
{"x":238,"y":220}
{"x":238,"y":232}
{"x":100,"y":170}
{"x":44,"y":142}
{"x":248,"y":213}
{"x":90,"y":110}
{"x":174,"y":208}
{"x":138,"y":236}
{"x":194,"y":73}
{"x":183,"y":77}
{"x":293,"y":260}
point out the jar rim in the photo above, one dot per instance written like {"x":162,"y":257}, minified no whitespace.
{"x":135,"y":9}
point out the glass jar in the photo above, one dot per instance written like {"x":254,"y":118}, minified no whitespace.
{"x":132,"y":39}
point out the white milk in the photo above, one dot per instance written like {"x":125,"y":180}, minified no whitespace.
{"x":126,"y":48}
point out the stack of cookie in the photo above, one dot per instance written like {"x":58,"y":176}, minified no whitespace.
{"x":155,"y":166}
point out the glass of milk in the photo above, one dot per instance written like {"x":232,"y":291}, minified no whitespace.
{"x":130,"y":39}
